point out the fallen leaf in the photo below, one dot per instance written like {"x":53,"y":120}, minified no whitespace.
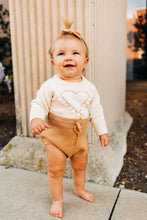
{"x":139,"y":190}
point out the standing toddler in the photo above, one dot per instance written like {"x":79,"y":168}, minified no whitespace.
{"x":61,"y":112}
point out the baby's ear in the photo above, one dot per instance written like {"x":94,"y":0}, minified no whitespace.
{"x":87,"y":60}
{"x":52,"y":61}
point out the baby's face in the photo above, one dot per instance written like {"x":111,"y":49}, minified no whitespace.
{"x":69,"y":58}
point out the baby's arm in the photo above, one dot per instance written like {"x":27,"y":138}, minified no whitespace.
{"x":38,"y":125}
{"x":40,"y":108}
{"x":98,"y":120}
{"x":104,"y":139}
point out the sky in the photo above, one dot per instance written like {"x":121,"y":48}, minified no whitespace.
{"x":133,"y":5}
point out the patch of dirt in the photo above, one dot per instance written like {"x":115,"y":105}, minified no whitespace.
{"x":134,"y":172}
{"x":7,"y":119}
{"x":133,"y":175}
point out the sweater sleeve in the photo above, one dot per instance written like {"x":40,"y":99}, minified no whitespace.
{"x":97,"y":115}
{"x":41,"y":104}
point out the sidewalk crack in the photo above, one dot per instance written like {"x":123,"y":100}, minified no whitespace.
{"x":114,"y":205}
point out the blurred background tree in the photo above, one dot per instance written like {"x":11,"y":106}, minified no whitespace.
{"x":138,"y":40}
{"x":5,"y":43}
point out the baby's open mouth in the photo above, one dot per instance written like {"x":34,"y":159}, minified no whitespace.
{"x":69,"y":65}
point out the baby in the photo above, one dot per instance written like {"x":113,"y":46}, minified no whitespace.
{"x":61,"y":112}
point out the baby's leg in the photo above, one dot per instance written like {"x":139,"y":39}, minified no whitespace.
{"x":79,"y":174}
{"x":56,"y":169}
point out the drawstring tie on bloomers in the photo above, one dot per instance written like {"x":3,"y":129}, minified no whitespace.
{"x":77,"y":129}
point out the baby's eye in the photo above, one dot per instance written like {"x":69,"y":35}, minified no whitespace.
{"x":60,"y":54}
{"x":76,"y":52}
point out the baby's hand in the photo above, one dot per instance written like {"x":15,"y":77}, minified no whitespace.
{"x":38,"y":125}
{"x":104,"y":139}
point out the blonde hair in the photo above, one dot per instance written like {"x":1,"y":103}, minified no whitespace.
{"x":69,"y":33}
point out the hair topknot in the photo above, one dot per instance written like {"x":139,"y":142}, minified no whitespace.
{"x":67,"y":23}
{"x":67,"y":32}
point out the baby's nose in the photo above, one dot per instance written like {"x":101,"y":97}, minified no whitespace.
{"x":68,"y":57}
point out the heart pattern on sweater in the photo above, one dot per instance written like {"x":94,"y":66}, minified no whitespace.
{"x":75,"y":99}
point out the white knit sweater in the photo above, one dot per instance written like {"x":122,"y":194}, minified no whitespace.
{"x":69,"y":100}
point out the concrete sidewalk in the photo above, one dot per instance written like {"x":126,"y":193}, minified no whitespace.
{"x":24,"y":195}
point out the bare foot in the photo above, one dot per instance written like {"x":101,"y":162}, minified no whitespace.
{"x":84,"y":194}
{"x":57,"y":209}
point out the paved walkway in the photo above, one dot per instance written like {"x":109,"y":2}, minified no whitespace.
{"x":24,"y":195}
